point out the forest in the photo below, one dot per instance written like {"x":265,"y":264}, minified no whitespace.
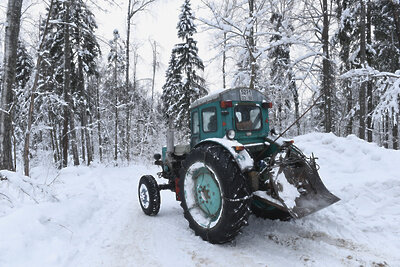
{"x":66,"y":99}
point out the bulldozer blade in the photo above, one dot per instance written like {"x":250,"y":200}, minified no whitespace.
{"x":298,"y":186}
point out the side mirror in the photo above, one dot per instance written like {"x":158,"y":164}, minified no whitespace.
{"x":157,"y":156}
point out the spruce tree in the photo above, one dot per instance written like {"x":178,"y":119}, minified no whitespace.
{"x":24,"y":66}
{"x":387,"y":39}
{"x":84,"y":52}
{"x":171,"y":89}
{"x":385,"y":18}
{"x":178,"y":95}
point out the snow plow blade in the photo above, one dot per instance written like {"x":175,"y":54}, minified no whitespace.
{"x":298,"y":185}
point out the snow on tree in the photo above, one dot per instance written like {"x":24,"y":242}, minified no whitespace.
{"x":24,"y":69}
{"x":282,"y":75}
{"x":171,"y":89}
{"x":115,"y":81}
{"x":186,"y":62}
{"x":386,"y":47}
{"x":84,"y":51}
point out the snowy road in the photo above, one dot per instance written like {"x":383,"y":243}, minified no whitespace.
{"x":98,"y":221}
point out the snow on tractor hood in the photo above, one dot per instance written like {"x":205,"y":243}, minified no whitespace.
{"x":242,"y":158}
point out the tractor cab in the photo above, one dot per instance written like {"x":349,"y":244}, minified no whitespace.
{"x":238,"y":114}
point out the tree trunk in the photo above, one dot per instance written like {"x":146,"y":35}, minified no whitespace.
{"x":99,"y":124}
{"x":224,"y":63}
{"x":396,"y":14}
{"x":326,"y":69}
{"x":84,"y":121}
{"x":53,"y":137}
{"x":154,"y":73}
{"x":6,"y":98}
{"x":66,"y":86}
{"x":370,"y":125}
{"x":296,"y":111}
{"x":116,"y":112}
{"x":116,"y":129}
{"x":128,"y":133}
{"x":251,"y":48}
{"x":361,"y":96}
{"x":74,"y":144}
{"x":128,"y":36}
{"x":386,"y":131}
{"x":83,"y":140}
{"x":87,"y":136}
{"x":14,"y":147}
{"x":349,"y":100}
{"x":395,"y":131}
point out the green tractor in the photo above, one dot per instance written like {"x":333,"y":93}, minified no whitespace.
{"x":231,"y":168}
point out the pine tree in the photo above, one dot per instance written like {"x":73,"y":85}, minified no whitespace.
{"x":187,"y":64}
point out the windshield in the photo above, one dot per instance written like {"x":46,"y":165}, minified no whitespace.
{"x":247,"y":118}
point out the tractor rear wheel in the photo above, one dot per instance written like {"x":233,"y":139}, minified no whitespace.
{"x":149,"y":195}
{"x":214,"y":193}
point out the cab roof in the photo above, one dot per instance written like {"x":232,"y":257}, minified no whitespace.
{"x":234,"y":94}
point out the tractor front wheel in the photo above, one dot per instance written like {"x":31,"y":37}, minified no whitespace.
{"x":265,"y":211}
{"x":149,"y":195}
{"x":214,"y":193}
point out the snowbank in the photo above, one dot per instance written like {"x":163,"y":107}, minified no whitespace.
{"x":91,"y":217}
{"x":17,"y":190}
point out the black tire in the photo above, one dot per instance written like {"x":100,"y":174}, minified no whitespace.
{"x":265,"y":211}
{"x":233,"y":213}
{"x":149,"y":195}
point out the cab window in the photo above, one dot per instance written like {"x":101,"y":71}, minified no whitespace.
{"x":247,"y":118}
{"x":195,"y":122}
{"x":209,"y":119}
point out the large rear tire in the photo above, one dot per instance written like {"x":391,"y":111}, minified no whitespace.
{"x":214,"y":194}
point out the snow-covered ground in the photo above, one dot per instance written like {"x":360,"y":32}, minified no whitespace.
{"x":90,"y":216}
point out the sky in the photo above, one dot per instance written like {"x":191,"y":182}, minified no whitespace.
{"x":157,"y":23}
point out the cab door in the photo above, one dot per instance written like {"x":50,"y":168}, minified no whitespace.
{"x":208,"y":122}
{"x":195,"y":127}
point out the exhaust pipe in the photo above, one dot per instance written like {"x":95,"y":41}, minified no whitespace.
{"x":170,"y":142}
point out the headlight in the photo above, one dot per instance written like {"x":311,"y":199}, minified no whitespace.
{"x":230,"y":134}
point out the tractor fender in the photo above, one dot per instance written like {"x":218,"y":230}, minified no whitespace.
{"x":242,"y":158}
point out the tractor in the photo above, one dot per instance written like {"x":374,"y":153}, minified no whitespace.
{"x":233,"y":168}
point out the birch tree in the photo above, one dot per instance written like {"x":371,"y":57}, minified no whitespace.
{"x":6,"y":100}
